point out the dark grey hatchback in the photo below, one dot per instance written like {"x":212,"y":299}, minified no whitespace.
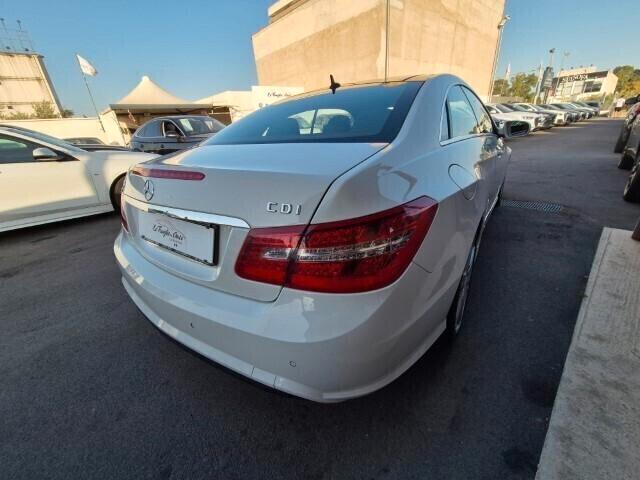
{"x":164,"y":135}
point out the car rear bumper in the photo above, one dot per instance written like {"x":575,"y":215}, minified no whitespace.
{"x":322,"y":347}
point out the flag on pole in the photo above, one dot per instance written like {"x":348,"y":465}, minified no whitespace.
{"x":86,"y":67}
{"x":507,"y":74}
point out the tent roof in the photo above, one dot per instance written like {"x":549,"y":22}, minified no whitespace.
{"x":148,"y":93}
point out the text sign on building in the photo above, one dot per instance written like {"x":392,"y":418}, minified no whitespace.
{"x":582,"y":77}
{"x":264,"y":95}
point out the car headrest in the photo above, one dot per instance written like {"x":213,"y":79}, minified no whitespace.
{"x":338,"y":124}
{"x":286,"y":127}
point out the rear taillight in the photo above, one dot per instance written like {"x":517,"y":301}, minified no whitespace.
{"x":167,"y":173}
{"x":347,"y":256}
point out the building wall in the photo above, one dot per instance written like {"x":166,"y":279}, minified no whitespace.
{"x":575,"y":84}
{"x":238,"y":102}
{"x":314,"y":38}
{"x":23,"y":82}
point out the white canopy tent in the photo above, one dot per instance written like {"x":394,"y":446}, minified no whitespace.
{"x":148,"y":100}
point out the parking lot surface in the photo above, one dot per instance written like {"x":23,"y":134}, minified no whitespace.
{"x":90,"y":389}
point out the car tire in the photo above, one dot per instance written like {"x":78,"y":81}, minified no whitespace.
{"x":632,"y":188}
{"x":626,"y":162}
{"x":115,"y":191}
{"x":622,"y":141}
{"x":456,"y":312}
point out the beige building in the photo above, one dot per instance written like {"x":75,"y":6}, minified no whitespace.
{"x":582,"y":83}
{"x":24,"y":81}
{"x":306,"y":40}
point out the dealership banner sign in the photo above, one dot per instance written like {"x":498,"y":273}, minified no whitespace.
{"x":262,"y":96}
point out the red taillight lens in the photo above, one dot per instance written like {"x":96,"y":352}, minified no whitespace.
{"x":166,"y":173}
{"x":348,"y":256}
{"x":266,"y":252}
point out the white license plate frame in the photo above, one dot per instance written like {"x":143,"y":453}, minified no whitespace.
{"x":196,"y":241}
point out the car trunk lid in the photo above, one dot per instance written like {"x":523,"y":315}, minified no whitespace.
{"x":242,"y":186}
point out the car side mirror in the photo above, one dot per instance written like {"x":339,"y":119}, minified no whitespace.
{"x":515,"y":128}
{"x":171,"y":135}
{"x":44,"y":154}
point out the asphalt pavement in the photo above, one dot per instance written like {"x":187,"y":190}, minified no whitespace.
{"x":90,"y":389}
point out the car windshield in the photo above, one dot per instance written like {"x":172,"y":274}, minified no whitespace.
{"x":519,"y":108}
{"x":199,"y":125}
{"x":562,"y":106}
{"x":84,"y":141}
{"x":363,"y":113}
{"x":46,"y":138}
{"x":503,"y":109}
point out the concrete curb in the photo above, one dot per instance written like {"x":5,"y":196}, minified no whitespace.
{"x":594,"y":431}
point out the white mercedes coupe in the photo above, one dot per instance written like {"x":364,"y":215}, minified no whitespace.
{"x":322,"y":244}
{"x":44,"y":179}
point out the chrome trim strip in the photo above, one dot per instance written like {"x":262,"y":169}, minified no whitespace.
{"x":199,"y":217}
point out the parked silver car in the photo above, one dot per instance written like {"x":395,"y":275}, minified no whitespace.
{"x":322,"y":244}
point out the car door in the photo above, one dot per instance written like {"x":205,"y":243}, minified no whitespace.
{"x":138,"y":141}
{"x":152,"y":138}
{"x":30,"y":188}
{"x":168,"y":143}
{"x":492,"y":148}
{"x":471,"y":166}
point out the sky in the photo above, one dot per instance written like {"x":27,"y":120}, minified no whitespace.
{"x":599,"y":32}
{"x":201,"y":47}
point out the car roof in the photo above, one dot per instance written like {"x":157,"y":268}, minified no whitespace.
{"x":177,"y":117}
{"x":375,"y":81}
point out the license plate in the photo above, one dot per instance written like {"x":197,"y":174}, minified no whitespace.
{"x":192,"y":240}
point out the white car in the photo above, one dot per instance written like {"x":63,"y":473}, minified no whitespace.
{"x":44,"y":179}
{"x":319,"y":245}
{"x":559,"y":117}
{"x":534,"y":120}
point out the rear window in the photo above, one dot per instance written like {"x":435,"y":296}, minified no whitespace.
{"x":365,"y":113}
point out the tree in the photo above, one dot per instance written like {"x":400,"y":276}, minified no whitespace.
{"x":522,"y":86}
{"x":66,"y":113}
{"x":44,"y":110}
{"x":628,"y":80}
{"x":501,"y":87}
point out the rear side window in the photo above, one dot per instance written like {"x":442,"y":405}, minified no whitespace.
{"x":462,"y":120}
{"x":363,"y":113}
{"x":444,"y":125}
{"x":484,"y":121}
{"x":149,"y":129}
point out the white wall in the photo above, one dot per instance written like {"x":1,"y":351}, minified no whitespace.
{"x":75,"y":127}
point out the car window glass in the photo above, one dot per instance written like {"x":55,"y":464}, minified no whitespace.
{"x":14,"y":150}
{"x":141,"y":132}
{"x":462,"y":120}
{"x":503,"y":109}
{"x":444,"y":126}
{"x":200,"y":125}
{"x":152,"y":129}
{"x":484,"y":120}
{"x":170,"y":127}
{"x":363,"y":113}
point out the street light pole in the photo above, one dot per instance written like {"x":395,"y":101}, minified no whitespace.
{"x":503,"y":22}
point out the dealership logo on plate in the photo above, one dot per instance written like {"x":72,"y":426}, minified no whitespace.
{"x":149,"y":189}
